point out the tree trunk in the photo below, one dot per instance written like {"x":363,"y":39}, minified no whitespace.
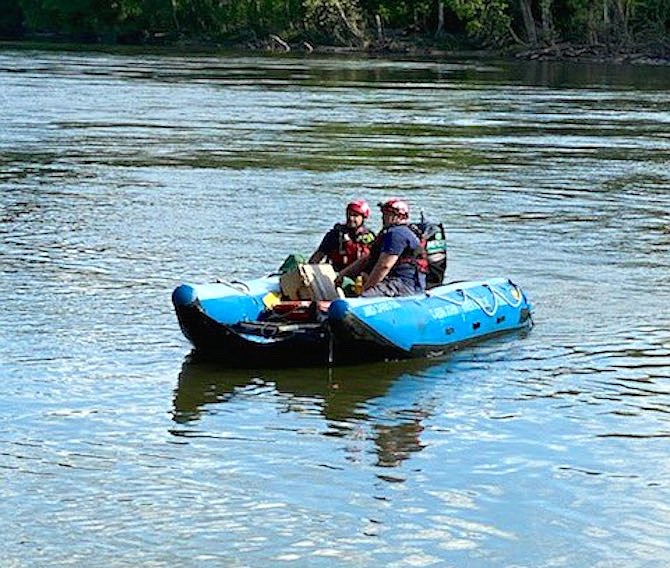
{"x":440,"y":19}
{"x":351,"y":26}
{"x":624,"y":8}
{"x":380,"y":29}
{"x":175,"y":20}
{"x":285,"y":46}
{"x":528,"y":21}
{"x":547,"y":21}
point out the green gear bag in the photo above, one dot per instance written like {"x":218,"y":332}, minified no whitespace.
{"x":291,"y":262}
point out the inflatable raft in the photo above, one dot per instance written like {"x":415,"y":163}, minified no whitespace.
{"x":235,"y":322}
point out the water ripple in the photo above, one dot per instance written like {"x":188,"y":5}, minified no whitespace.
{"x":124,"y":173}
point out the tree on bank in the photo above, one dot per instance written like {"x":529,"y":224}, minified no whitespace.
{"x":535,"y":24}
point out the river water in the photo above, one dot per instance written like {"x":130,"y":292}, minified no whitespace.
{"x":124,"y":174}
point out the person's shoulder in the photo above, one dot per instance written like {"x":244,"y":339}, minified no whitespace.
{"x":329,"y":239}
{"x":396,"y":235}
{"x":406,"y":232}
{"x":402,"y":230}
{"x":335,"y":229}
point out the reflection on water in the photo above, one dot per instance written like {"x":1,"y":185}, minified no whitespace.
{"x":123,"y":174}
{"x":346,"y":397}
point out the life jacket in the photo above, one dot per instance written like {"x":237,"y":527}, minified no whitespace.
{"x":350,"y":249}
{"x":417,"y":256}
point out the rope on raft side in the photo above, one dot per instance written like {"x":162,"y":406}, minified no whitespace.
{"x":235,"y":285}
{"x":488,"y":311}
{"x":495,"y":293}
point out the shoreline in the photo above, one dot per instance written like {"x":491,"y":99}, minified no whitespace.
{"x":566,"y":52}
{"x":391,"y":47}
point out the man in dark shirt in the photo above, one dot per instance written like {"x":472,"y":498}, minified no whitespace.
{"x":346,"y":243}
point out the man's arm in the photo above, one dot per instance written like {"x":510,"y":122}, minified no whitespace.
{"x":384,"y":265}
{"x":328,"y":243}
{"x":353,"y":269}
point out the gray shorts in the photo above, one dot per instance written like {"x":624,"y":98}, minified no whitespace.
{"x":391,"y":287}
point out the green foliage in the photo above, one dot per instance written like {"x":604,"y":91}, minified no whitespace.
{"x":225,"y":18}
{"x":485,"y":20}
{"x":94,"y":19}
{"x":402,"y":14}
{"x":589,"y":20}
{"x":340,"y":20}
{"x":614,"y":22}
{"x":344,"y":22}
{"x":652,"y":20}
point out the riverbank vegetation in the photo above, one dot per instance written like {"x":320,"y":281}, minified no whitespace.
{"x":535,"y":28}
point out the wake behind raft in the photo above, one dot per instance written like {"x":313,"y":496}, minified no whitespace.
{"x":254,"y":324}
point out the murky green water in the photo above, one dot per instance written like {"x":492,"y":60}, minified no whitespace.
{"x":122,"y":175}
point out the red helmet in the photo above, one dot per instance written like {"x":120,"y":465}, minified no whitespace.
{"x":359,"y":206}
{"x":396,"y":206}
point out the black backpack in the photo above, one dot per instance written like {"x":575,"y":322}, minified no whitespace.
{"x":435,"y":239}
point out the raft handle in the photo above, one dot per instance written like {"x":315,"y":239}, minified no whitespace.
{"x":495,"y":293}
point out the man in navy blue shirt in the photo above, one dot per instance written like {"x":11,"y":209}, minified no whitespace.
{"x":397,"y":263}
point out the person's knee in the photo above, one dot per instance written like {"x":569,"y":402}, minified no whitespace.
{"x":373,"y":292}
{"x":389,"y":288}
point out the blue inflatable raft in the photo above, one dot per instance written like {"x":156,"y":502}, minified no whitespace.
{"x":235,"y":322}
